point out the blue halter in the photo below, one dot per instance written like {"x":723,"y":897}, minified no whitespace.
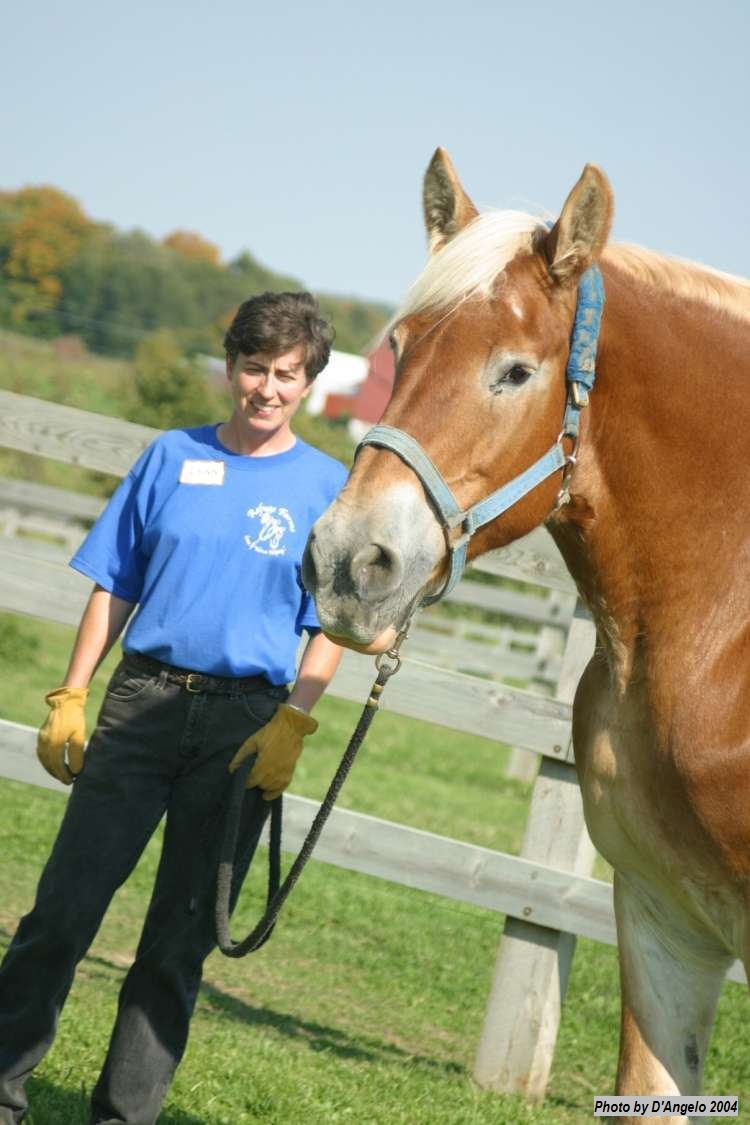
{"x":580,"y":374}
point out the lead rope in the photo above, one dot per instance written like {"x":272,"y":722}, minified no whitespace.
{"x":387,"y":665}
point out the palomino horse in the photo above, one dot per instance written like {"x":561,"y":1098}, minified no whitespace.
{"x":648,"y":499}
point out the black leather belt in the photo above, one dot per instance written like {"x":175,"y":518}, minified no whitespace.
{"x":196,"y":682}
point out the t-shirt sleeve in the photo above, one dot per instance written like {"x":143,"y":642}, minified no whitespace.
{"x":307,"y":618}
{"x":112,"y":552}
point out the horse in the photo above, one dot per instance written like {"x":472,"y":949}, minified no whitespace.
{"x":645,"y":490}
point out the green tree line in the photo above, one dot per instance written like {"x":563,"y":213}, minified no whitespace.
{"x":62,"y":273}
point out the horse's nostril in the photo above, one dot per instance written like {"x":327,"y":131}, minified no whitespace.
{"x":376,"y":570}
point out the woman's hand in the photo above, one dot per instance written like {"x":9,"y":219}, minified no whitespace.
{"x":65,"y":728}
{"x":278,"y":745}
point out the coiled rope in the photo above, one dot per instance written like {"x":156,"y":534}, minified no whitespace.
{"x":387,"y":665}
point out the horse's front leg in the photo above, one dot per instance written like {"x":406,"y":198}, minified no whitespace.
{"x":670,"y":976}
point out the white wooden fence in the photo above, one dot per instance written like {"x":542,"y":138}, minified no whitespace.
{"x":546,"y":893}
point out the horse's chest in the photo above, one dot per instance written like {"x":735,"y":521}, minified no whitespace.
{"x":639,"y":808}
{"x":626,"y":816}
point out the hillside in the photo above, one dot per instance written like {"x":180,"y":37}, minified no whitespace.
{"x":62,"y":273}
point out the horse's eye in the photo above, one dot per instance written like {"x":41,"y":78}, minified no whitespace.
{"x":515,"y":376}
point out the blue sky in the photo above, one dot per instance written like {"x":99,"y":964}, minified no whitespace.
{"x":302,"y":131}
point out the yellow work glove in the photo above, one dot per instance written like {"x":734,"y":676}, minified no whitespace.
{"x":278,"y":745}
{"x":65,"y":726}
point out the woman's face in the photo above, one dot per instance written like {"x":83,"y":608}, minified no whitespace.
{"x":267,"y":390}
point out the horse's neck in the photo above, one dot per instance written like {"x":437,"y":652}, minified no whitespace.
{"x":661,"y":491}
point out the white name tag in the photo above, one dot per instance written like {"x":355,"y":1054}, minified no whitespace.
{"x":202,"y":472}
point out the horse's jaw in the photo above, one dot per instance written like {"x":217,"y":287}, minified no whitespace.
{"x":380,"y":643}
{"x":367,"y":566}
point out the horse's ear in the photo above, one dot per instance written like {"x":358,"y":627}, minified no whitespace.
{"x":579,"y":235}
{"x":447,"y":207}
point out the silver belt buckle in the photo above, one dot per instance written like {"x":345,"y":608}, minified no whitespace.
{"x":193,"y":683}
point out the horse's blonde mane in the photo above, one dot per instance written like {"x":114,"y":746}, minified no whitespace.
{"x":468,"y":265}
{"x":683,"y":278}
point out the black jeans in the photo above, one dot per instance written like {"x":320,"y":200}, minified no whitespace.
{"x":157,"y":748}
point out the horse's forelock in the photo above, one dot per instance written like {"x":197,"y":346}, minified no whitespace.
{"x":468,"y":265}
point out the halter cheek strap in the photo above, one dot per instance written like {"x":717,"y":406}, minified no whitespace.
{"x":580,"y":375}
{"x":584,"y":340}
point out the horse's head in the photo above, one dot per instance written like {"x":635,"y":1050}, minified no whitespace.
{"x":481,"y":349}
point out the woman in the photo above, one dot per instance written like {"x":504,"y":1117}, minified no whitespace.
{"x":203,"y":541}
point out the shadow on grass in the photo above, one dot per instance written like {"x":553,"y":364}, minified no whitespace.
{"x":320,"y":1037}
{"x":53,"y":1105}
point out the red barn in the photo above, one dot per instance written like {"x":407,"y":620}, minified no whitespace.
{"x":365,"y":407}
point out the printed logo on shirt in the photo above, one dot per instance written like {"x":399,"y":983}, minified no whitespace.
{"x":271,"y":526}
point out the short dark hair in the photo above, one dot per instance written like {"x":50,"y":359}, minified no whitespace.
{"x":275,"y":323}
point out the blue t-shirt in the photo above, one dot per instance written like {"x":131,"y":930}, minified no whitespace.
{"x":209,"y":544}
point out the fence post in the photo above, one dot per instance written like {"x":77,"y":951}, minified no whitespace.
{"x":523,"y":765}
{"x":531,"y":972}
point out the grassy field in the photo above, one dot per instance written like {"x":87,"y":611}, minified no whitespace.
{"x":367,"y":1004}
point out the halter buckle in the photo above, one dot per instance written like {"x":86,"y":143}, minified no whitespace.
{"x":579,"y":394}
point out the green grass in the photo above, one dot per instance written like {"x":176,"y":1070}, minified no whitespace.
{"x":366,"y":1006}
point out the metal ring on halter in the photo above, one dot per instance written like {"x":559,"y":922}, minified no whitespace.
{"x":391,"y":655}
{"x":571,"y":460}
{"x":575,"y":438}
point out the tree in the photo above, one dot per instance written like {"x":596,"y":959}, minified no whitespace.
{"x":122,"y":287}
{"x":193,"y":247}
{"x":357,"y":323}
{"x":42,"y":230}
{"x":169,"y":390}
{"x":256,"y":278}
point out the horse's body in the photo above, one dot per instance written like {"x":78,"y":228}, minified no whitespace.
{"x":656,"y":535}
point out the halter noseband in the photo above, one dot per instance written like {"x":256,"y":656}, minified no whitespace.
{"x":579,"y":375}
